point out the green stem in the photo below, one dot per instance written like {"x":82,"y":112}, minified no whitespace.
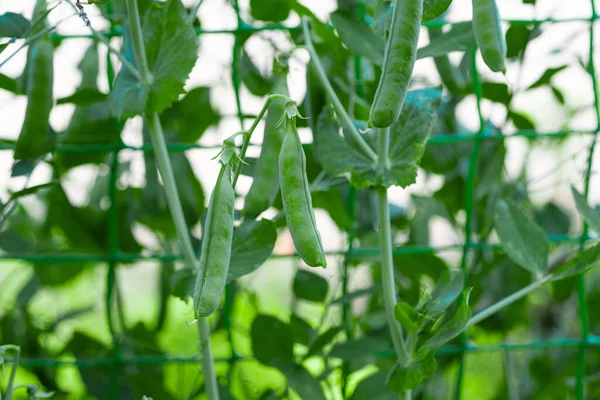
{"x":387,"y":262}
{"x":13,"y":371}
{"x":249,"y":132}
{"x":337,"y":104}
{"x":494,"y":308}
{"x":165,"y":169}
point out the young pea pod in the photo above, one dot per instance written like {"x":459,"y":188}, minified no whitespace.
{"x":488,"y":34}
{"x":40,"y":76}
{"x":296,"y":198}
{"x":398,"y":63}
{"x":265,"y":185}
{"x":216,"y":246}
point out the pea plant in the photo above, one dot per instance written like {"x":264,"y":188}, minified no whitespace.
{"x":372,"y":132}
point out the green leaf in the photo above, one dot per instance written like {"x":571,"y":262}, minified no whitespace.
{"x":303,"y":332}
{"x":83,"y":97}
{"x":358,"y":36}
{"x":13,"y":25}
{"x":348,"y":298}
{"x":459,"y":38}
{"x":517,"y":37}
{"x":310,"y":286}
{"x":374,"y":388}
{"x":434,"y":8}
{"x":407,"y":316}
{"x":253,"y":244}
{"x":332,"y":202}
{"x":521,"y":121}
{"x":9,"y":84}
{"x":446,"y":330}
{"x":553,"y":220}
{"x":255,"y":81}
{"x":449,"y":286}
{"x":405,"y":378}
{"x":270,"y":10}
{"x":32,"y":190}
{"x":360,"y":352}
{"x":496,"y":91}
{"x":524,"y":241}
{"x":14,"y":242}
{"x":582,"y":263}
{"x":408,"y":136}
{"x":547,"y":77}
{"x":171,"y":50}
{"x":590,"y":215}
{"x":323,"y":340}
{"x":299,"y":379}
{"x":272,"y":340}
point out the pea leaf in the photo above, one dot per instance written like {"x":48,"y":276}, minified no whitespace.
{"x":253,"y":244}
{"x":524,"y":241}
{"x":447,"y":289}
{"x":434,"y":8}
{"x":299,"y":379}
{"x":404,"y":378}
{"x":339,"y":155}
{"x":407,"y":316}
{"x":171,"y":50}
{"x":9,"y":84}
{"x":272,"y":340}
{"x":270,"y":10}
{"x":303,"y":332}
{"x":13,"y":25}
{"x":582,"y":263}
{"x":323,"y":340}
{"x":83,"y":97}
{"x":255,"y":81}
{"x":358,"y":36}
{"x":517,"y":37}
{"x":590,"y":215}
{"x":459,"y":38}
{"x":374,"y":388}
{"x":547,"y":77}
{"x":310,"y":286}
{"x":450,"y":328}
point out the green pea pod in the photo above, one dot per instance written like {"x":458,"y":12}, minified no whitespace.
{"x":40,"y":77}
{"x":216,"y":246}
{"x":488,"y":34}
{"x":265,"y":185}
{"x":398,"y":63}
{"x":99,"y":1}
{"x":296,"y":198}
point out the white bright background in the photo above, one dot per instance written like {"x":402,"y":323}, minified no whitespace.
{"x":551,"y":170}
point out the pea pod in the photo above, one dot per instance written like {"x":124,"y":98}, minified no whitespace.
{"x":296,"y":198}
{"x":398,"y":63}
{"x":40,"y":76}
{"x":265,"y":185}
{"x":216,"y":246}
{"x":488,"y":34}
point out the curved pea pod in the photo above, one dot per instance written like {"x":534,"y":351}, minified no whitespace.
{"x":297,"y":202}
{"x":265,"y":185}
{"x":216,"y":246}
{"x":488,"y":34}
{"x":40,"y":77}
{"x":398,"y":63}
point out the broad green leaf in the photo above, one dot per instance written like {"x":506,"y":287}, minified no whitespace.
{"x":358,"y":36}
{"x":299,"y":379}
{"x":581,"y":263}
{"x":591,"y":216}
{"x":553,"y":220}
{"x":517,"y":38}
{"x":253,"y":243}
{"x":303,"y":332}
{"x":459,"y":38}
{"x":407,"y":316}
{"x":9,"y":84}
{"x":402,"y":379}
{"x":323,"y":340}
{"x":14,"y":242}
{"x":547,"y":76}
{"x":374,"y":388}
{"x":360,"y":352}
{"x":434,"y":8}
{"x":332,"y":202}
{"x":447,"y":289}
{"x":270,"y":10}
{"x":521,"y":121}
{"x":310,"y":286}
{"x":339,"y":155}
{"x":255,"y":81}
{"x":272,"y":340}
{"x":450,"y":328}
{"x":83,"y":97}
{"x":171,"y":51}
{"x":13,"y":25}
{"x":496,"y":91}
{"x":524,"y":241}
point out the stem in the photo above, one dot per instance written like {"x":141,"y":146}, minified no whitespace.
{"x":208,"y":367}
{"x":337,"y":104}
{"x":13,"y":370}
{"x":249,"y":132}
{"x":507,"y":301}
{"x":166,"y":172}
{"x":387,"y":262}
